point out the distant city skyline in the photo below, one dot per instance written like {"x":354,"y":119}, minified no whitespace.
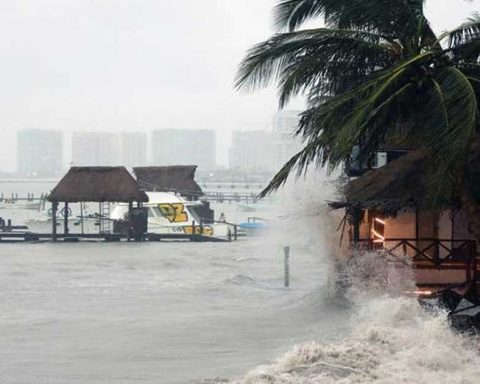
{"x":120,"y":65}
{"x":266,"y":150}
{"x":261,"y":150}
{"x":184,"y":147}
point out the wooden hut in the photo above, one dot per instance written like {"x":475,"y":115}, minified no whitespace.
{"x":386,"y":210}
{"x":176,"y":178}
{"x":94,"y":184}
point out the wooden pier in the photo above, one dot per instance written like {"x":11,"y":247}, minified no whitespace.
{"x":216,"y":197}
{"x":31,"y":237}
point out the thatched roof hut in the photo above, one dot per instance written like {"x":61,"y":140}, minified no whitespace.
{"x":178,"y":178}
{"x":398,"y":184}
{"x":97,"y":184}
{"x":402,"y":183}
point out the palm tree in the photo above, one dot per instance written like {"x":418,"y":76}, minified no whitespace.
{"x":376,"y":72}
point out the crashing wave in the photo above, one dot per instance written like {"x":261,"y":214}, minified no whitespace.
{"x":394,"y":341}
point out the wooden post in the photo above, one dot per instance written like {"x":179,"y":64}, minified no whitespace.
{"x":286,"y":252}
{"x":193,"y":238}
{"x":54,"y":221}
{"x":229,"y":235}
{"x":356,"y":225}
{"x":235,"y":232}
{"x":65,"y":219}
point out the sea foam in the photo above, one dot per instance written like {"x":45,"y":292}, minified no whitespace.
{"x":394,"y":341}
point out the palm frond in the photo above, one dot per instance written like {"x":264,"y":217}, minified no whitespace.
{"x":465,"y":33}
{"x":268,"y":61}
{"x":376,"y":74}
{"x":387,"y":17}
{"x":449,"y":124}
{"x":333,"y":70}
{"x":334,"y":127}
{"x":300,"y":162}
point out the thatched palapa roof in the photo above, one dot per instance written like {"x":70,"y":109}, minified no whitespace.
{"x":178,"y":178}
{"x":402,"y":183}
{"x":399,"y":184}
{"x":97,"y":184}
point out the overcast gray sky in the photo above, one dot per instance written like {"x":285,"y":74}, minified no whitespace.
{"x":138,"y":64}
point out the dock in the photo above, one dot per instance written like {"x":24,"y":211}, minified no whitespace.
{"x":108,"y":185}
{"x":31,"y":237}
{"x":215,"y":197}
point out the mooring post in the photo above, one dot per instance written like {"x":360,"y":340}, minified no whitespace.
{"x":286,"y":252}
{"x":193,"y":238}
{"x":229,"y":235}
{"x":235,"y":232}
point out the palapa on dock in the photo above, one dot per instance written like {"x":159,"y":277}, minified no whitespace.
{"x":177,"y":178}
{"x":94,"y":184}
{"x":98,"y":184}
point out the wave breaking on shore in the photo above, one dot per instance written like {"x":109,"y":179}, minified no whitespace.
{"x":393,"y":341}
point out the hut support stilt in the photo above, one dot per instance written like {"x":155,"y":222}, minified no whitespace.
{"x":54,"y":221}
{"x":65,"y":219}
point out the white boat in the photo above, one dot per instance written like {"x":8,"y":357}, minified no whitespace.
{"x":171,"y":213}
{"x":41,"y":221}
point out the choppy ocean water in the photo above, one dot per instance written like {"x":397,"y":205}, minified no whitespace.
{"x":215,"y":313}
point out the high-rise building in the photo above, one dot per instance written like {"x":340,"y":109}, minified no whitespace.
{"x":109,"y":149}
{"x":285,"y":144}
{"x":39,"y":152}
{"x":95,"y":149}
{"x":184,"y":147}
{"x":133,"y":149}
{"x":251,"y":151}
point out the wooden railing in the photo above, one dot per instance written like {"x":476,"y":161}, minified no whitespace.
{"x":427,"y":253}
